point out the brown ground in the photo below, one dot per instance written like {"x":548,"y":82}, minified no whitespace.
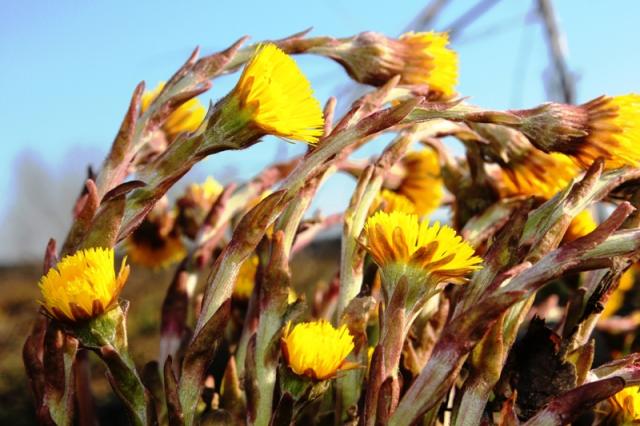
{"x":145,"y":290}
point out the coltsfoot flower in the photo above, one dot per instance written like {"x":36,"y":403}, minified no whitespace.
{"x":401,"y":245}
{"x":606,"y":127}
{"x":422,"y":181}
{"x":186,"y":118}
{"x":155,"y":244}
{"x":272,"y":97}
{"x":317,"y":349}
{"x":246,"y":279}
{"x":83,"y":286}
{"x":148,"y":248}
{"x":536,"y":174}
{"x":195,"y":204}
{"x":389,"y":201}
{"x":419,"y":58}
{"x":204,"y":193}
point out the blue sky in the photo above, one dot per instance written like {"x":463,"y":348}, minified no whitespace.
{"x":68,"y":67}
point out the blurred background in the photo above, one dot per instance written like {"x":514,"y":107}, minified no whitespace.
{"x":69,"y":68}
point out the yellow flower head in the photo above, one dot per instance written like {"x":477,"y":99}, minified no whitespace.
{"x":152,"y":247}
{"x":607,"y":127}
{"x":429,"y":61}
{"x":246,"y":279}
{"x":186,"y":118}
{"x":205,"y":193}
{"x":83,"y":286}
{"x":277,"y":98}
{"x":626,"y":405}
{"x":581,"y":225}
{"x":389,"y":201}
{"x":418,"y":58}
{"x":422,"y":182}
{"x":613,"y":132}
{"x":536,"y":174}
{"x":317,"y":349}
{"x":402,"y":245}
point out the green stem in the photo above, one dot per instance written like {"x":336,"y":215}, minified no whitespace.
{"x":270,"y":324}
{"x":106,"y":335}
{"x":128,"y":386}
{"x":355,"y":218}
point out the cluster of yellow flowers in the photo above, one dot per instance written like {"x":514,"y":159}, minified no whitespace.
{"x":273,"y":97}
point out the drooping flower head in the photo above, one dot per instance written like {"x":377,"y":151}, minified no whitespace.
{"x":536,"y":174}
{"x":317,"y":349}
{"x":429,"y":61}
{"x":83,"y":285}
{"x":275,"y":98}
{"x":389,"y":201}
{"x":401,"y":245}
{"x":156,"y":243}
{"x":607,"y":127}
{"x":194,"y":206}
{"x":186,"y":118}
{"x":422,"y":182}
{"x":419,"y":58}
{"x":151,"y":247}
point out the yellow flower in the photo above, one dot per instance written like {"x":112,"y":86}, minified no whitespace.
{"x":626,"y":405}
{"x":151,"y":246}
{"x":418,"y":58}
{"x":581,"y":225}
{"x":607,"y":127}
{"x":429,"y":61}
{"x":83,"y":286}
{"x":276,"y":97}
{"x":536,"y":174}
{"x":422,"y":182}
{"x":206,"y":192}
{"x":613,"y":132}
{"x":402,"y":245}
{"x":317,"y":349}
{"x":246,"y":279}
{"x":389,"y":201}
{"x":186,"y":118}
